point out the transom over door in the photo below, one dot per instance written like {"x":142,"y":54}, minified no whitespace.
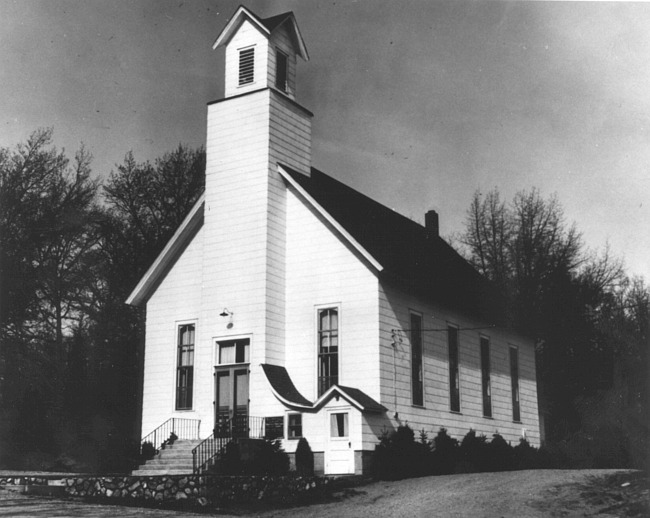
{"x":231,"y":401}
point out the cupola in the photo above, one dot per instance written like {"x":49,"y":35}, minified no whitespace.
{"x":261,"y":53}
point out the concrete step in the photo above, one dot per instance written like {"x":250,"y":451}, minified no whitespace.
{"x":155,"y":472}
{"x":175,"y":454}
{"x":167,"y":465}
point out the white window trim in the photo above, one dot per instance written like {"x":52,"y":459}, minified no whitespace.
{"x":490,"y":351}
{"x":177,"y":325}
{"x":229,"y":338}
{"x":286,"y":426}
{"x":239,"y":50}
{"x":424,"y":391}
{"x":286,"y":88}
{"x":460,"y":385}
{"x":317,"y":309}
{"x":512,"y":410}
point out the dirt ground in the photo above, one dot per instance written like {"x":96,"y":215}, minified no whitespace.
{"x":517,"y":494}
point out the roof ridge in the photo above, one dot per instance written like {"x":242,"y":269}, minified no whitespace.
{"x":385,"y":208}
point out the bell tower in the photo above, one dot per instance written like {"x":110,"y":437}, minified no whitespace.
{"x":256,"y":126}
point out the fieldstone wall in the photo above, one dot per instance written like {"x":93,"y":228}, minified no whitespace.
{"x":23,"y":481}
{"x":202,"y":490}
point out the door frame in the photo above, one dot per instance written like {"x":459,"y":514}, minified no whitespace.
{"x":233,"y":369}
{"x":336,"y":440}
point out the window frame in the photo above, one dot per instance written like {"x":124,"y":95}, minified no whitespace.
{"x":226,"y":339}
{"x":281,"y":56}
{"x":416,"y":384}
{"x":486,"y":374}
{"x":515,"y":387}
{"x":318,"y":310}
{"x":245,"y":77}
{"x":289,"y":426}
{"x":454,"y":391}
{"x":189,"y":386}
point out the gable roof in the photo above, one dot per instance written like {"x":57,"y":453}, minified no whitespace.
{"x":421,"y":263}
{"x":265,"y":25}
{"x":168,"y":256}
{"x":354,"y":396}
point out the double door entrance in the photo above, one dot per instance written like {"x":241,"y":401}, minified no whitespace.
{"x":231,"y":400}
{"x":231,"y":376}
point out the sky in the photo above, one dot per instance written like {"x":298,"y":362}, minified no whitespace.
{"x":417,"y":104}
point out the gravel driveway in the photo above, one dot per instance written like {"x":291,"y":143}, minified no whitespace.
{"x":515,"y":494}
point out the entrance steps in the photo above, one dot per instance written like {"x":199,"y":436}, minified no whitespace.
{"x":173,"y":460}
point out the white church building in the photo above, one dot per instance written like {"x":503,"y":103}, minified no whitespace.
{"x":289,"y":305}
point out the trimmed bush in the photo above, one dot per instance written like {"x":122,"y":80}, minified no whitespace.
{"x":525,"y":456}
{"x":148,"y":451}
{"x":269,"y":459}
{"x":304,"y":458}
{"x":398,"y":455}
{"x":445,"y":454}
{"x":473,"y":454}
{"x":500,"y":454}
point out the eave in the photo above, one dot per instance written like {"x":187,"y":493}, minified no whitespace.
{"x":243,"y":13}
{"x":183,"y":235}
{"x":305,"y":196}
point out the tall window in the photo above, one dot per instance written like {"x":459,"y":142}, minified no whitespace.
{"x":454,"y":381}
{"x":246,"y":66}
{"x":417,"y":387}
{"x":514,"y":380}
{"x":328,"y":349}
{"x":485,"y":377}
{"x":281,"y":70}
{"x":185,"y":369}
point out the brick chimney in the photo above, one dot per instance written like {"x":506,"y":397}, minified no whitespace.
{"x":431,"y":224}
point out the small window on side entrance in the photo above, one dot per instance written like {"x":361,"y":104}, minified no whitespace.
{"x":339,"y":425}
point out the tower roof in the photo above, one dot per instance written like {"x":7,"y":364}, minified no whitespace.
{"x":265,"y":25}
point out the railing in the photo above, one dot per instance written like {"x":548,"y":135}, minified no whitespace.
{"x":230,"y":430}
{"x":182,"y":428}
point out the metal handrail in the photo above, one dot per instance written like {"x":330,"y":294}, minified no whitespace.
{"x":181,"y":427}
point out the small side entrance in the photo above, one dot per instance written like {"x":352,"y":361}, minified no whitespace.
{"x":231,"y":389}
{"x":339,"y":455}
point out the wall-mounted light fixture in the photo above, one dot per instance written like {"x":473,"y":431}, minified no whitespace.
{"x":227,"y":313}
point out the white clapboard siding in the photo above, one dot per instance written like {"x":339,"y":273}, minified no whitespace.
{"x":325,"y":272}
{"x":176,"y":300}
{"x":396,"y":373}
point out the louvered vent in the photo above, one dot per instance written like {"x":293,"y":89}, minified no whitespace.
{"x":246,"y":66}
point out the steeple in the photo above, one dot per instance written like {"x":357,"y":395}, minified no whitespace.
{"x":257,"y":127}
{"x":261,"y":53}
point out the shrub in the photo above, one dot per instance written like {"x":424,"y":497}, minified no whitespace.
{"x":230,"y":462}
{"x":445,"y":453}
{"x":254,"y":458}
{"x":500,"y":454}
{"x":473,"y":453}
{"x":398,"y":455}
{"x":304,"y":458}
{"x":269,"y":459}
{"x":525,"y":456}
{"x":148,"y":451}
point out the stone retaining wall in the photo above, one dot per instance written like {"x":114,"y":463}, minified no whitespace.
{"x":203,"y":490}
{"x":24,"y":481}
